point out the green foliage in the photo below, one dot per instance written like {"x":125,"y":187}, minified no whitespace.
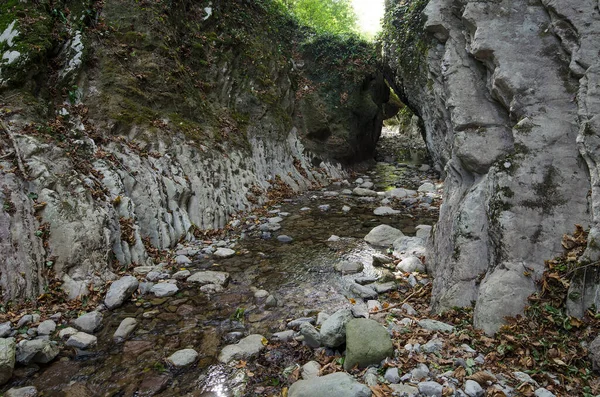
{"x":404,"y":28}
{"x":325,"y":16}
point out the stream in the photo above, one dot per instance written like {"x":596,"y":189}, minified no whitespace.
{"x":299,"y":274}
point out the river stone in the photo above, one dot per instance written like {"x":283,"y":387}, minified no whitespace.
{"x":224,"y":253}
{"x":349,"y":267}
{"x":311,"y":336}
{"x":183,"y":358}
{"x":381,"y":260}
{"x":410,"y":264}
{"x":161,"y":290}
{"x":46,"y":327}
{"x":430,"y":389}
{"x":120,"y":291}
{"x":126,"y":327}
{"x":285,"y":336}
{"x":245,"y":348}
{"x":333,"y":330}
{"x":8,"y":349}
{"x":392,"y":375}
{"x":182,"y":260}
{"x":383,"y":236}
{"x":181,"y":275}
{"x":209,"y":277}
{"x":89,"y":322}
{"x":26,"y":319}
{"x":384,"y":211}
{"x":284,"y":239}
{"x":338,"y":384}
{"x":27,"y":391}
{"x":82,"y":340}
{"x":36,"y":351}
{"x":346,"y":208}
{"x":275,"y":219}
{"x":359,"y":191}
{"x":270,"y":302}
{"x":299,"y":321}
{"x":363,"y":291}
{"x":427,"y":188}
{"x":5,"y":329}
{"x":406,"y":245}
{"x":367,"y":342}
{"x":434,"y":325}
{"x":67,"y":332}
{"x":360,"y":309}
{"x":310,"y":370}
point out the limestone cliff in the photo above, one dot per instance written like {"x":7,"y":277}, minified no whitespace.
{"x":127,"y":125}
{"x":508,"y":93}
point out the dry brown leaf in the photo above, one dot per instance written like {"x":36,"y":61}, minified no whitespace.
{"x":526,"y":389}
{"x":493,"y":392}
{"x":381,"y":391}
{"x":482,"y":377}
{"x":460,"y":373}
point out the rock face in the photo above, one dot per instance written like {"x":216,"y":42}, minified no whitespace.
{"x":338,"y":384}
{"x":508,"y":94}
{"x":133,"y":161}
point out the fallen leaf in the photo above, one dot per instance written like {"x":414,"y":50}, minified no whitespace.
{"x":482,"y":377}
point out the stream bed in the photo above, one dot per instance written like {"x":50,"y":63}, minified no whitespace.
{"x":287,"y":263}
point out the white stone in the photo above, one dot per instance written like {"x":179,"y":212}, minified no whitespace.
{"x":82,"y":340}
{"x":183,"y":358}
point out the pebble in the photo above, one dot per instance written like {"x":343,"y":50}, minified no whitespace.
{"x":285,"y":336}
{"x":541,"y":392}
{"x":26,"y":319}
{"x":325,"y":207}
{"x":349,"y":267}
{"x":333,"y":238}
{"x":312,"y":337}
{"x":67,"y":332}
{"x":182,"y":260}
{"x":419,"y":373}
{"x":245,"y":348}
{"x":346,"y":208}
{"x":433,"y":346}
{"x":473,"y":389}
{"x":225,"y":252}
{"x":363,"y":291}
{"x":89,"y":322}
{"x":409,"y":309}
{"x":430,"y":389}
{"x":384,"y":211}
{"x":391,"y":375}
{"x":271,"y":301}
{"x":284,"y":239}
{"x":310,"y":370}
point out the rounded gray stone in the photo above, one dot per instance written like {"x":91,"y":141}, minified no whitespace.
{"x":120,"y":291}
{"x":183,"y":358}
{"x":338,"y":384}
{"x":367,"y":343}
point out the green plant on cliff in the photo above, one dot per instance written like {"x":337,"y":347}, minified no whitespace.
{"x":404,"y":30}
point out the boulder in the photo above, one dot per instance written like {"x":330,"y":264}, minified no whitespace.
{"x":367,"y":343}
{"x":333,"y":330}
{"x":338,"y":384}
{"x":120,"y":291}
{"x":383,"y":236}
{"x":244,"y":349}
{"x":8,"y":349}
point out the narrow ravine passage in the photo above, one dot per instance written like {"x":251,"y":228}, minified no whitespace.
{"x":283,"y":268}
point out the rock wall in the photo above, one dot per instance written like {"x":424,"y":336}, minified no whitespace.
{"x":508,"y":93}
{"x":139,"y":122}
